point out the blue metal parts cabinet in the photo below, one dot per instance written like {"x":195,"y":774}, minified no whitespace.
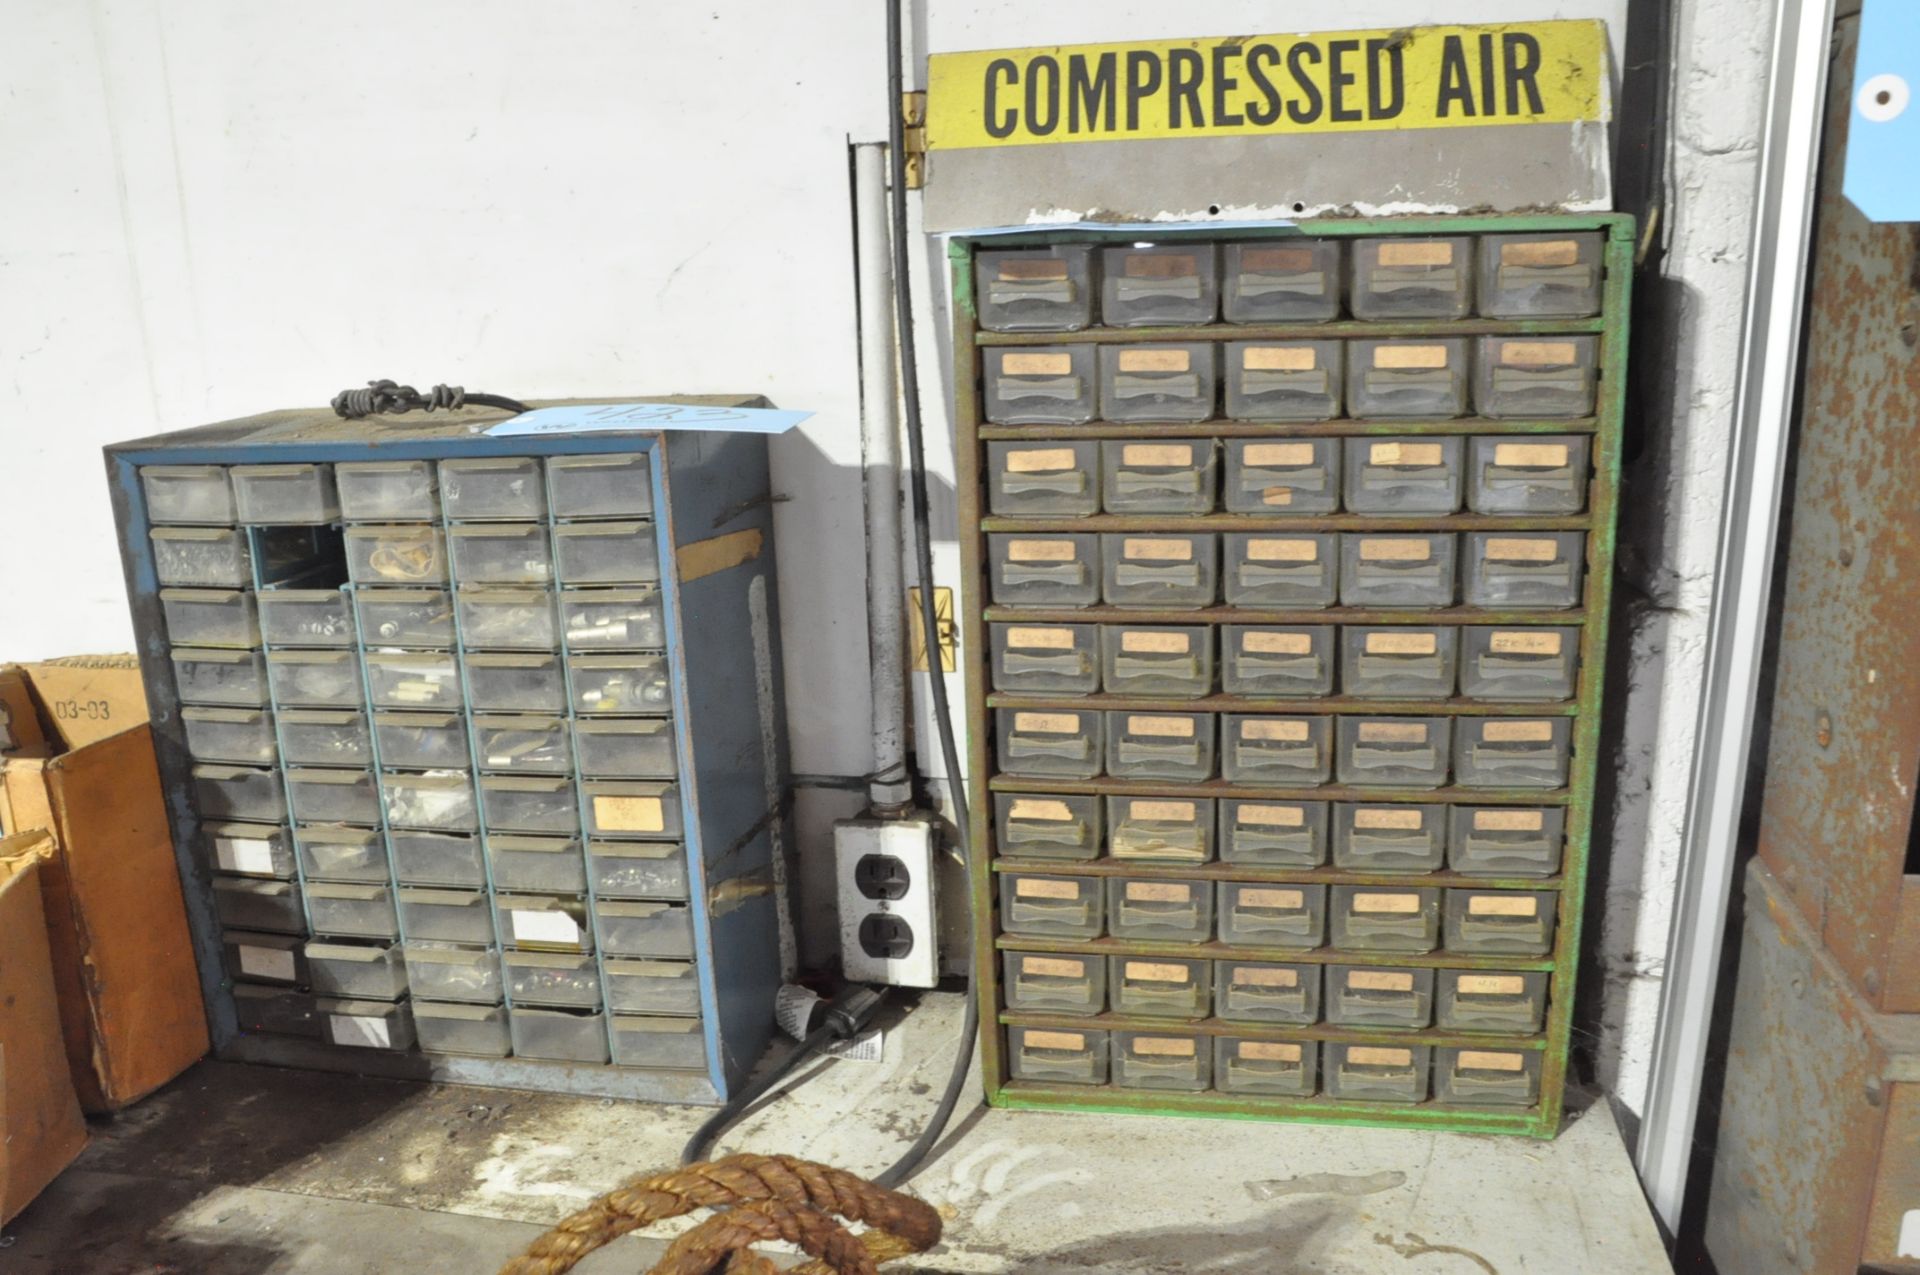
{"x":472,"y":744}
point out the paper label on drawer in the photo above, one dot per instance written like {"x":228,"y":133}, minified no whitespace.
{"x":1510,"y":549}
{"x":630,"y":814}
{"x":1035,"y":1039}
{"x":1030,"y":639}
{"x":1393,"y":732}
{"x":1047,"y":723}
{"x":1410,"y":357}
{"x":1380,"y":980}
{"x":1280,"y":455}
{"x":1159,"y":892}
{"x":1157,"y":454}
{"x":1278,"y":358}
{"x":1161,"y":727}
{"x":244,"y":854}
{"x":1156,"y":641}
{"x":1037,"y":268}
{"x":1417,"y":252}
{"x":1161,"y":265}
{"x":1158,"y":972}
{"x":1289,"y":729}
{"x":1379,"y":1056}
{"x":1270,"y":1050}
{"x":1286,"y":900}
{"x":1395,"y":550}
{"x":1541,"y":252}
{"x":1273,"y":816}
{"x":1247,"y":976}
{"x":1158,"y":550}
{"x":266,"y":962}
{"x":1400,"y":904}
{"x":1042,"y":551}
{"x":1387,"y":817}
{"x":1516,"y":732}
{"x":1031,"y":364}
{"x":1164,"y":1046}
{"x":1173,"y":811}
{"x":1053,"y":966}
{"x":1503,"y":905}
{"x":1276,"y":495}
{"x":1491,"y":984}
{"x":1155,"y":360}
{"x":1047,"y":459}
{"x":1405,"y":454}
{"x":1283,"y":551}
{"x":540,"y":925}
{"x":1531,"y":455}
{"x":1037,"y":808}
{"x":361,"y":1030}
{"x":1486,"y":1060}
{"x":1402,"y":643}
{"x":1522,"y":643}
{"x":1038,"y":888}
{"x":1509,"y":820}
{"x":1277,"y":643}
{"x":1280,"y":260}
{"x":1537,"y":354}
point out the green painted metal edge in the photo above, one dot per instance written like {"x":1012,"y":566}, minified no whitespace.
{"x":1218,"y":1106}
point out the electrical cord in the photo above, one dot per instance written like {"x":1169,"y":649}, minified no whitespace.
{"x":390,"y":398}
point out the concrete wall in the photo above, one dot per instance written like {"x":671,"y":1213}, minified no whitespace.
{"x":223,"y":207}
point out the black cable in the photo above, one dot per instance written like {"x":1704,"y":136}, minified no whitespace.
{"x":390,"y":398}
{"x":907,"y":1165}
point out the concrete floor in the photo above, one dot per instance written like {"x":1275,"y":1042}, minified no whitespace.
{"x":237,"y":1170}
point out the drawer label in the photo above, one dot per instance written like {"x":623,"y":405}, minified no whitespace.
{"x":1495,"y":732}
{"x":1510,"y":549}
{"x":1031,"y":639}
{"x":1408,"y":820}
{"x":1159,"y":891}
{"x":1040,"y":268}
{"x":1509,"y":820}
{"x":1156,"y":454}
{"x":1283,"y":260}
{"x":1148,"y":360}
{"x":361,"y":1030}
{"x":1379,"y":1056}
{"x":1403,"y":643}
{"x":1380,"y":980}
{"x":1276,"y":495}
{"x":1285,"y":729}
{"x":1487,"y":1060}
{"x":266,"y":962}
{"x":1286,"y":900}
{"x":1053,"y":966}
{"x":244,"y":854}
{"x":1041,"y":888}
{"x":1400,"y":904}
{"x":1273,"y":816}
{"x":1047,"y":723}
{"x":1043,"y":550}
{"x":1279,"y":455}
{"x":1042,"y":461}
{"x":630,"y":814}
{"x":1283,"y":550}
{"x":1409,"y":357}
{"x":1140,"y":550}
{"x":1405,"y":454}
{"x":1417,"y":252}
{"x":1270,"y":1050}
{"x":1161,"y":265}
{"x":1278,"y":358}
{"x":1256,"y":976}
{"x":1491,"y":985}
{"x":1537,"y":354}
{"x":1503,"y":905}
{"x":1156,"y":641}
{"x":1393,"y":732}
{"x":1524,"y":643}
{"x":1165,"y":1046}
{"x":1158,"y":972}
{"x":1277,"y":643}
{"x":1541,"y":252}
{"x":1531,"y":455}
{"x":1161,"y":727}
{"x":1162,"y":811}
{"x":1036,"y":1039}
{"x":1036,"y":364}
{"x":1379,"y":550}
{"x":1040,"y":808}
{"x":542,"y":925}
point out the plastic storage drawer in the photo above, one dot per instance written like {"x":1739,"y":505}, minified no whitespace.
{"x":528,"y":803}
{"x":1065,"y":744}
{"x":1035,"y":290}
{"x":1541,"y":571}
{"x":438,"y":802}
{"x":1378,"y":996}
{"x":1045,"y":983}
{"x":202,"y":557}
{"x":1269,"y":662}
{"x":1393,"y":752}
{"x":249,"y":849}
{"x":1288,"y":752}
{"x":1266,"y":992}
{"x":1158,"y":1060}
{"x":545,"y":922}
{"x":366,"y":1024}
{"x":275,"y":1011}
{"x":236,"y":792}
{"x":1160,"y":572}
{"x":437,"y":858}
{"x":1376,"y":1073}
{"x":1165,"y":285}
{"x":1043,"y":480}
{"x":1535,"y":377}
{"x":1391,"y":380}
{"x":1542,"y":475}
{"x":606,"y":553}
{"x":1285,"y":380}
{"x":440,"y":972}
{"x":612,"y":619}
{"x":1277,"y":1068}
{"x":210,"y":617}
{"x":522,"y":743}
{"x":1389,"y":838}
{"x":206,"y":676}
{"x":1040,"y":385}
{"x":1050,"y":906}
{"x":638,"y":869}
{"x":325,"y":737}
{"x":621,"y":684}
{"x":1048,"y":827}
{"x":486,"y":488}
{"x":620,"y":748}
{"x":1053,"y":1055}
{"x":633,"y":808}
{"x":1155,"y":661}
{"x":366,"y":973}
{"x":1540,"y":276}
{"x":1511,"y":752}
{"x":1519,"y":665}
{"x":306,"y":617}
{"x":1500,"y":922}
{"x":408,"y":556}
{"x":501,"y":553}
{"x":552,"y":978}
{"x":1160,"y":911}
{"x":1273,"y":834}
{"x":1281,"y":281}
{"x":1298,"y":477}
{"x":666,"y":1044}
{"x":1487,"y":1077}
{"x":1399,"y":663}
{"x":277,"y":959}
{"x":1258,"y":915}
{"x":615,"y":485}
{"x":247,"y":904}
{"x":1041,"y":659}
{"x":333,"y":796}
{"x":1160,"y":829}
{"x":424,"y":680}
{"x":1507,"y":841}
{"x":187,"y":494}
{"x":387,"y":491}
{"x":1044,"y":571}
{"x":352,"y":910}
{"x":284,"y":494}
{"x":652,"y":987}
{"x":1415,"y":572}
{"x":336,"y":852}
{"x":422,"y":741}
{"x":1283,"y":573}
{"x":1424,"y":278}
{"x":447,"y":916}
{"x":516,"y":683}
{"x":559,"y":1036}
{"x":1512,"y":1003}
{"x":1158,"y":383}
{"x":1171,"y":746}
{"x":1161,"y":986}
{"x":316,"y":679}
{"x":240,"y":735}
{"x":507,"y":620}
{"x":543,"y":864}
{"x":1159,"y":477}
{"x":1402,"y":477}
{"x":476,"y":1030}
{"x":1369,"y":918}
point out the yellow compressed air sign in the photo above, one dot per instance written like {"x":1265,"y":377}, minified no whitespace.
{"x":1270,"y":85}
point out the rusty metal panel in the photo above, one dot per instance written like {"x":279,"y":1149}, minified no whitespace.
{"x":1896,"y":1192}
{"x":1845,"y":746}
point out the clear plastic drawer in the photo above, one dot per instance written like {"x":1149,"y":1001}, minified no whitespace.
{"x":249,"y":849}
{"x":1159,"y":477}
{"x":207,"y":676}
{"x":275,"y":959}
{"x":516,"y":683}
{"x":1035,"y":289}
{"x":1283,"y":477}
{"x":1157,"y":1060}
{"x":446,"y":973}
{"x":187,"y":494}
{"x":1040,"y":385}
{"x":638,"y":869}
{"x":306,"y":617}
{"x":1041,"y":659}
{"x":1277,"y":661}
{"x":621,"y":684}
{"x":366,"y":1024}
{"x":1048,"y":827}
{"x":1398,"y":477}
{"x":1280,"y":572}
{"x":1379,"y":996}
{"x":243,"y":903}
{"x":1054,"y":479}
{"x":1540,"y":571}
{"x":410,"y":556}
{"x":439,"y":801}
{"x":522,"y":743}
{"x":501,"y":553}
{"x":325,"y":737}
{"x":1052,"y":1055}
{"x":1393,"y":837}
{"x":543,"y":922}
{"x":645,"y":928}
{"x":1161,"y":986}
{"x":1510,"y":1002}
{"x":352,"y":910}
{"x":1512,"y":752}
{"x":507,"y":620}
{"x":1500,"y":922}
{"x":1287,"y":752}
{"x":1044,"y":983}
{"x":1394,"y":752}
{"x":285,"y":494}
{"x":666,"y":1044}
{"x":1540,"y":276}
{"x":1281,"y":281}
{"x":1520,"y":665}
{"x":387,"y":491}
{"x":1273,"y":834}
{"x":1507,"y":841}
{"x":1399,"y":663}
{"x":202,"y":557}
{"x":210,"y":617}
{"x":1376,"y":1073}
{"x":607,"y":553}
{"x":348,"y":969}
{"x":616,"y":485}
{"x":529,"y":803}
{"x":1160,"y":829}
{"x":237,"y":792}
{"x":559,"y":1035}
{"x":1414,"y":571}
{"x":490,"y":488}
{"x":626,"y":748}
{"x":1491,"y":1077}
{"x":1159,"y":383}
{"x":1266,"y":992}
{"x":652,"y":987}
{"x":1156,"y":661}
{"x":1371,"y":918}
{"x":1259,"y":915}
{"x":437,"y":858}
{"x":240,"y":735}
{"x":540,"y":865}
{"x":339,"y":852}
{"x":1063,"y":744}
{"x":1050,"y":906}
{"x":1044,"y":571}
{"x":422,"y":741}
{"x":1412,"y":278}
{"x":624,"y":808}
{"x":1285,"y":380}
{"x":1163,"y":285}
{"x":1160,"y":911}
{"x":1538,"y":474}
{"x":1407,"y":379}
{"x":1170,"y":746}
{"x":1280,"y":1068}
{"x":1160,"y":572}
{"x":447,"y":916}
{"x":1535,"y":377}
{"x":552,"y":978}
{"x":316,"y":679}
{"x":478,"y":1031}
{"x":424,"y":680}
{"x":276,"y":1011}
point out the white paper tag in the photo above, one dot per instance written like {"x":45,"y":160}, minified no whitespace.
{"x":544,"y":926}
{"x":869,"y":1047}
{"x":793,"y":1009}
{"x":266,"y":962}
{"x":1908,"y":1245}
{"x":244,"y":854}
{"x":368,"y":1033}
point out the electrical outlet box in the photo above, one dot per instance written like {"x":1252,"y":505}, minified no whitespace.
{"x":884,"y":869}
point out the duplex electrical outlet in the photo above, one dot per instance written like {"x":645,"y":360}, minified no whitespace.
{"x":885,"y":882}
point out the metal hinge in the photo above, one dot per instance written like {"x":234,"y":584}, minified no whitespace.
{"x":913,"y":110}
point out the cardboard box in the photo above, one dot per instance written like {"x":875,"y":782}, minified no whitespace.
{"x":40,"y":1126}
{"x":123,"y":958}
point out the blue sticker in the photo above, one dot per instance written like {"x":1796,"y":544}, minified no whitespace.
{"x":604,"y":418}
{"x":1883,"y":137}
